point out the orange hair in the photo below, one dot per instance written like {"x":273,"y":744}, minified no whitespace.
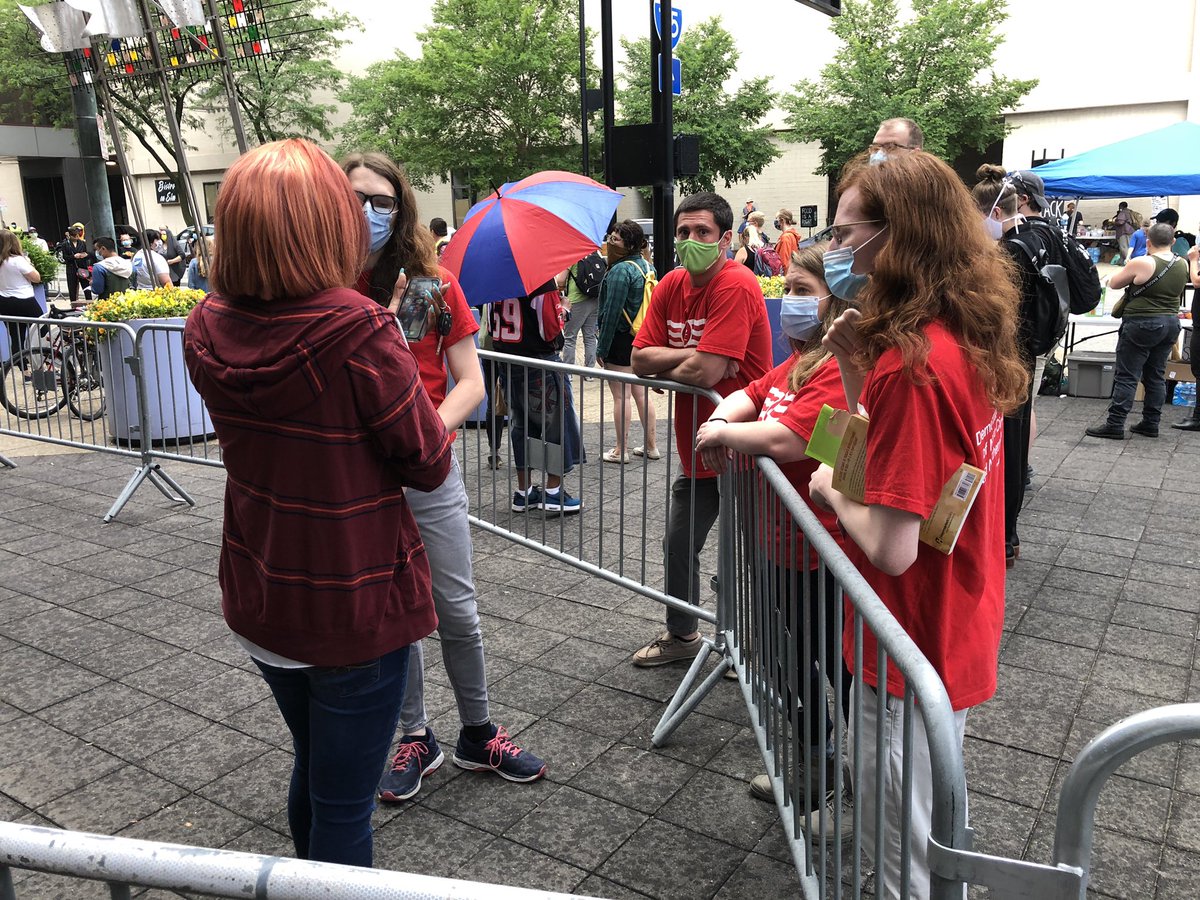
{"x":290,"y":222}
{"x":938,"y":265}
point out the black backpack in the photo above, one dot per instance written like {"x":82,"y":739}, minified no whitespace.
{"x":589,"y":273}
{"x":1045,"y":315}
{"x":1083,"y":280}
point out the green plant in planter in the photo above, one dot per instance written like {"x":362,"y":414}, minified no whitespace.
{"x":772,"y":285}
{"x":43,"y":260}
{"x":160,"y":303}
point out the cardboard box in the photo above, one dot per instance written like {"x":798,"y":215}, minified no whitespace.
{"x":1178,"y":370}
{"x":941,"y":530}
{"x":850,"y":471}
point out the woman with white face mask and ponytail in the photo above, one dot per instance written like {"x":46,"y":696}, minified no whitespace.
{"x":775,"y":416}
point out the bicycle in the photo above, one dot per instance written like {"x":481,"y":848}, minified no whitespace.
{"x":58,"y":367}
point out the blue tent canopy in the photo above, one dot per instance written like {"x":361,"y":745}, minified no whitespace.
{"x":1157,"y":164}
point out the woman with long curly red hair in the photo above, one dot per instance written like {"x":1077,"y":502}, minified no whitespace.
{"x":932,"y":357}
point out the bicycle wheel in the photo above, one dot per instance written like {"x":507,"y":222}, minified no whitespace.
{"x":31,"y":386}
{"x":81,"y":383}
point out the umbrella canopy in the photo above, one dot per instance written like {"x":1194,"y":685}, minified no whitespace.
{"x":1159,"y":163}
{"x":527,"y":232}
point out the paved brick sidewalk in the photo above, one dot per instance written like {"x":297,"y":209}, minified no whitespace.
{"x":125,"y":708}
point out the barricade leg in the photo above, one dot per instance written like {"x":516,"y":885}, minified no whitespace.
{"x":159,"y":479}
{"x":682,"y":703}
{"x":6,"y":462}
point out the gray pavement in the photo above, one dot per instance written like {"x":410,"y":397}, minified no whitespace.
{"x":126,"y":708}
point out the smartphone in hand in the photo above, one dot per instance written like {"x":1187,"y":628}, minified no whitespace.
{"x":414,"y":307}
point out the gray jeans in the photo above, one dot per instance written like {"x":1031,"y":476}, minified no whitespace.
{"x":1143,"y":346}
{"x":441,"y":517}
{"x":695,"y":504}
{"x":585,"y":315}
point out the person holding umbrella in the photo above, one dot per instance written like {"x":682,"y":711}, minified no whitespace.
{"x":399,"y":248}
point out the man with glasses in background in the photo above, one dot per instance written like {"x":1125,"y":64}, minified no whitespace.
{"x":896,"y":136}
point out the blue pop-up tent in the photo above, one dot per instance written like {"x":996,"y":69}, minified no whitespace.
{"x":1158,"y":164}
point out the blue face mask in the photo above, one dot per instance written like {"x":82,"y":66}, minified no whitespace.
{"x":879,"y":156}
{"x":799,"y":318}
{"x":380,"y":225}
{"x":841,"y":280}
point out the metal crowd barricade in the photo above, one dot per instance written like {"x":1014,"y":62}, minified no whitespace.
{"x":124,"y":863}
{"x":618,"y":536}
{"x":80,"y":384}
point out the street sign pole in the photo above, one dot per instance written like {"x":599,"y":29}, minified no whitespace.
{"x":663,"y":114}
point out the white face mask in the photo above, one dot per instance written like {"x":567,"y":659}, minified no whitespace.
{"x":995,"y":229}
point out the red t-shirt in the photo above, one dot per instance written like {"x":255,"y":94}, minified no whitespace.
{"x":727,"y":317}
{"x":920,"y":433}
{"x":798,"y":411}
{"x":430,"y":363}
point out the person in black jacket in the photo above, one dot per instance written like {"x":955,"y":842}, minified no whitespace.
{"x":78,"y":259}
{"x":175,"y":256}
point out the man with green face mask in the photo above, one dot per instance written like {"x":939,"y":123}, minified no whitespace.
{"x":707,"y":326}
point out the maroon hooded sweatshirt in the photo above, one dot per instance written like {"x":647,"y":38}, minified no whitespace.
{"x":323,"y":422}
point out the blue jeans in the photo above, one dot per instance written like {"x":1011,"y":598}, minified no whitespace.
{"x":1142,"y":350}
{"x":342,"y":721}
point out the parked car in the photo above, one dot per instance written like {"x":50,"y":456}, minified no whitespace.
{"x":187,"y":236}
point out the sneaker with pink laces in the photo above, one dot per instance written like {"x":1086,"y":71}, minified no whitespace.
{"x":415,"y":758}
{"x":499,"y":755}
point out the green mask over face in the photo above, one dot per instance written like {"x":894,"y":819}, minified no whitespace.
{"x":697,"y":257}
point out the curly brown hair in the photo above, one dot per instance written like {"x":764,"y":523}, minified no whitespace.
{"x":938,"y":265}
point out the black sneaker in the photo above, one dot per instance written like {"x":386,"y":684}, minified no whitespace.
{"x":1145,"y":429}
{"x":499,"y":755}
{"x":415,"y":758}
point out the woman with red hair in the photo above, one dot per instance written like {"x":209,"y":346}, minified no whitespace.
{"x":932,"y":357}
{"x":323,"y":425}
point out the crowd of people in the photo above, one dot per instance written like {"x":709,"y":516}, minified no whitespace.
{"x":346,"y":539}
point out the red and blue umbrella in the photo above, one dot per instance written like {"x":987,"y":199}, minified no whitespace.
{"x":527,"y":232}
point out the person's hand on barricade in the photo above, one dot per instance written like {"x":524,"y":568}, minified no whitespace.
{"x":714,"y":454}
{"x":820,"y":487}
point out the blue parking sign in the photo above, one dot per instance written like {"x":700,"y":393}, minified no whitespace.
{"x":676,"y":23}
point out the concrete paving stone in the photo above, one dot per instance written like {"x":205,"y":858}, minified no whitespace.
{"x":60,"y":545}
{"x":1002,"y":828}
{"x":61,"y":586}
{"x":582,"y":658}
{"x":506,"y":601}
{"x":535,"y":690}
{"x":1044,"y":532}
{"x":1176,"y":876}
{"x":566,"y":750}
{"x":105,"y":703}
{"x":262,"y":841}
{"x":1107,"y":705}
{"x":1152,"y":645}
{"x":1072,"y":603}
{"x":1091,"y":543}
{"x":595,"y":886}
{"x":1051,"y":657}
{"x":174,"y":582}
{"x":1018,"y":776}
{"x":1141,"y":676}
{"x":263,"y":721}
{"x":192,"y":632}
{"x":59,"y":681}
{"x":576,"y":827}
{"x":61,"y":763}
{"x":496,"y":667}
{"x":643,"y":608}
{"x":521,"y":642}
{"x":1038,"y":553}
{"x":190,"y":556}
{"x":1189,"y":769}
{"x":576,"y":620}
{"x":225,"y":648}
{"x":1075,"y":630}
{"x":1016,"y":684}
{"x":257,"y":789}
{"x":1168,"y":554}
{"x":489,"y":803}
{"x":722,"y":808}
{"x":172,"y":676}
{"x":1184,"y":829}
{"x":697,"y":740}
{"x":126,"y":658}
{"x":1161,"y":595}
{"x":118,"y":566}
{"x":1110,"y":524}
{"x":505,"y":862}
{"x":113,"y":603}
{"x":1157,"y":765}
{"x":113,"y":801}
{"x":231,"y":691}
{"x":1029,"y":573}
{"x":1127,"y":806}
{"x":660,"y":860}
{"x":1122,"y":866}
{"x":1020,"y":725}
{"x":634,"y":777}
{"x":739,"y":758}
{"x":658,"y":683}
{"x":428,"y":842}
{"x":1084,"y":582}
{"x":146,"y":731}
{"x":193,"y":821}
{"x":1183,"y":577}
{"x":1155,"y":618}
{"x":1093,"y":561}
{"x":759,"y":876}
{"x":204,"y":756}
{"x":41,"y":886}
{"x":604,"y":711}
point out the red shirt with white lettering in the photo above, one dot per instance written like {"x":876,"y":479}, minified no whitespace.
{"x":798,"y":412}
{"x":922,"y":429}
{"x":727,"y":317}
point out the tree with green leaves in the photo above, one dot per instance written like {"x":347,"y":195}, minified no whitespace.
{"x":933,"y":67}
{"x":734,"y":145}
{"x":494,"y":94}
{"x":33,"y":83}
